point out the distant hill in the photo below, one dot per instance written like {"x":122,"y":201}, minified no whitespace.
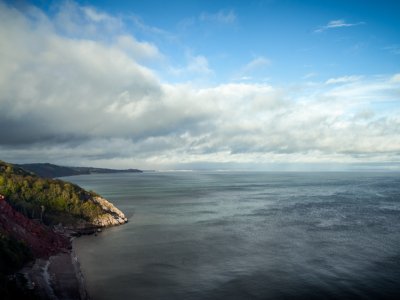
{"x":51,"y":171}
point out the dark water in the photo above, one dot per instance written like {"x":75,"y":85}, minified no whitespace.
{"x":246,"y":236}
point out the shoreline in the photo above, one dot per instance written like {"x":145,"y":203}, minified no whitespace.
{"x":58,"y":277}
{"x":55,"y":274}
{"x":32,"y":225}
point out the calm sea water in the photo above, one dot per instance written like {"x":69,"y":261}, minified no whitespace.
{"x":204,"y":235}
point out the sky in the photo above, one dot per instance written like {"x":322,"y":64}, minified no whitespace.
{"x":258,"y":85}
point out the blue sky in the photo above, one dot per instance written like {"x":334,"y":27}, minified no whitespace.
{"x":293,"y":37}
{"x":236,"y":84}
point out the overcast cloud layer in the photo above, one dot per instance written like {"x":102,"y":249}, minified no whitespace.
{"x":71,"y":96}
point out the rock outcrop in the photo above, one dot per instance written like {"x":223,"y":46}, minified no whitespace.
{"x":112,"y":215}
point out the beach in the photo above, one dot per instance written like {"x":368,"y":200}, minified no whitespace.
{"x":58,"y":277}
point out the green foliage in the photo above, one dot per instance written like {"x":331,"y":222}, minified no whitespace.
{"x":53,"y":201}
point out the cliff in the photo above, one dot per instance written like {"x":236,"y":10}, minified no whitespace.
{"x":37,"y":218}
{"x":54,"y":201}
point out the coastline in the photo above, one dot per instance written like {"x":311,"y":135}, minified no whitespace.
{"x":58,"y":277}
{"x":55,"y":274}
{"x":38,"y":234}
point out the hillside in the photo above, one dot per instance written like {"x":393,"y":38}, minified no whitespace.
{"x":14,"y":225}
{"x":54,"y":201}
{"x":37,"y":216}
{"x":51,"y":171}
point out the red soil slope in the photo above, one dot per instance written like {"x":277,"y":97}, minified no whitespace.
{"x":41,"y":239}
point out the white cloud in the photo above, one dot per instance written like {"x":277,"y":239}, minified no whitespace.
{"x":196,"y":65}
{"x":222,"y":16}
{"x":337,"y":24}
{"x":152,"y":30}
{"x":84,"y":21}
{"x":396,"y":78}
{"x":95,"y":15}
{"x":344,"y":79}
{"x":86,"y":101}
{"x":139,"y":50}
{"x":244,"y":78}
{"x":199,"y":64}
{"x":257,"y":63}
{"x":310,"y":75}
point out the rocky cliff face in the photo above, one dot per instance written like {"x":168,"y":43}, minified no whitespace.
{"x":112,"y":215}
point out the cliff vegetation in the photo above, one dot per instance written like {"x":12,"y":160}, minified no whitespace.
{"x":51,"y":201}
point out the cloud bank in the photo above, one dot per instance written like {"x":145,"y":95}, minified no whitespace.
{"x":82,"y":99}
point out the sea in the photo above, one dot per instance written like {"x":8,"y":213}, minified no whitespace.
{"x":245,"y":235}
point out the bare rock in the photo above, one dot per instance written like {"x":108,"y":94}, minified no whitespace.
{"x":112,"y":215}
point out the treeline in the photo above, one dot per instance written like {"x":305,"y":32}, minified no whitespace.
{"x":49,"y":200}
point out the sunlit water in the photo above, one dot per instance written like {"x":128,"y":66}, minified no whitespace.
{"x":203,"y":235}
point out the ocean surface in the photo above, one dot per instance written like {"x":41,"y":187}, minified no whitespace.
{"x":244,"y":235}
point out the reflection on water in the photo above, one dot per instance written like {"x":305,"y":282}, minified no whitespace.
{"x":246,"y":236}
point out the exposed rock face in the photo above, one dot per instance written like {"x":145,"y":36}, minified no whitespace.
{"x":112,"y":215}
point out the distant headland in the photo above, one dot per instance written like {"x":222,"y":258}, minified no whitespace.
{"x":47,"y":170}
